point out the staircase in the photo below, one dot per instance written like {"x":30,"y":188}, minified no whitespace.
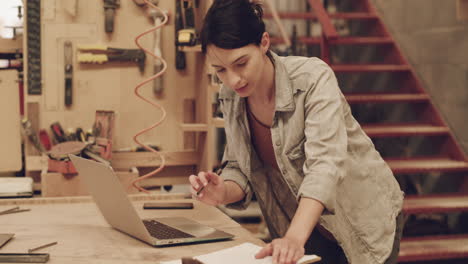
{"x":390,"y":103}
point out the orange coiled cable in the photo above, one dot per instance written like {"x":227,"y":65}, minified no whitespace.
{"x":157,"y":75}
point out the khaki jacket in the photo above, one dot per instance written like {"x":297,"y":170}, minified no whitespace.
{"x":323,"y":154}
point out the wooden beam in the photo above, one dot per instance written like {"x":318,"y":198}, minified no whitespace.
{"x":148,"y":159}
{"x":125,"y":160}
{"x":218,"y":122}
{"x":194,"y":127}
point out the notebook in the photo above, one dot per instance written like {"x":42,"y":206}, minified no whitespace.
{"x":243,"y":253}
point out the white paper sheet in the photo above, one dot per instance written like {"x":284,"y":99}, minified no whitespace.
{"x":244,"y":253}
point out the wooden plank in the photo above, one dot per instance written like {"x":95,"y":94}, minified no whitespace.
{"x":36,"y":163}
{"x":417,"y":165}
{"x":87,"y":199}
{"x":32,"y":111}
{"x":10,"y":139}
{"x":189,"y":117}
{"x":168,"y":176}
{"x":341,"y":41}
{"x":370,"y":68}
{"x":218,"y":122}
{"x":125,"y":160}
{"x":362,"y":41}
{"x":338,"y":15}
{"x":194,"y":127}
{"x":11,"y":45}
{"x":422,"y":204}
{"x":57,"y":184}
{"x":196,"y":48}
{"x":386,"y":98}
{"x":396,"y":130}
{"x":433,"y":248}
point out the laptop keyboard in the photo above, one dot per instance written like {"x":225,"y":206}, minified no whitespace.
{"x":162,"y":231}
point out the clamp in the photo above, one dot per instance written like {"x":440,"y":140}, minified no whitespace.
{"x":102,"y":54}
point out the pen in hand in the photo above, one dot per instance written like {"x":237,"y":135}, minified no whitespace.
{"x":218,"y":171}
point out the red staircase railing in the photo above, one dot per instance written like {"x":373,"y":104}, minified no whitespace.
{"x":329,"y":32}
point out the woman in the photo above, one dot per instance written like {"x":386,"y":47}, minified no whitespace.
{"x":291,"y":139}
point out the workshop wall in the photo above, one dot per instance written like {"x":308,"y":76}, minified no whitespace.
{"x":110,"y":86}
{"x":436,"y":44}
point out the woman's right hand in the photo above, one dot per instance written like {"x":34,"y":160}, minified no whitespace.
{"x":214,"y":191}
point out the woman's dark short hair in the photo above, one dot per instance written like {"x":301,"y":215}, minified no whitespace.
{"x":232,"y":24}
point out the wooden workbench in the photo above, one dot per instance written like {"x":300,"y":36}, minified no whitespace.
{"x":84,"y":236}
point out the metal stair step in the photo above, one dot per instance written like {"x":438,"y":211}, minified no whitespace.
{"x":340,"y":40}
{"x":392,"y":130}
{"x":386,"y":98}
{"x":433,"y":248}
{"x":426,"y":164}
{"x":370,"y":67}
{"x":442,"y":203}
{"x":340,"y":15}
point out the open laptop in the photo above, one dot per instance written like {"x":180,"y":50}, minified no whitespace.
{"x":111,"y":199}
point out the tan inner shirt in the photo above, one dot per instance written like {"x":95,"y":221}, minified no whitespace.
{"x":263,"y":145}
{"x":261,"y":140}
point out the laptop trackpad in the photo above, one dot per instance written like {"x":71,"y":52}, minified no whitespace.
{"x":188,"y":226}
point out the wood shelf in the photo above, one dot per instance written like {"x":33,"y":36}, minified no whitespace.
{"x":194,"y":127}
{"x":386,"y":98}
{"x":310,"y":15}
{"x":421,"y":204}
{"x":370,"y":68}
{"x":196,"y":48}
{"x":218,"y":122}
{"x":433,"y":248}
{"x":396,"y":130}
{"x":427,"y":164}
{"x":125,"y":160}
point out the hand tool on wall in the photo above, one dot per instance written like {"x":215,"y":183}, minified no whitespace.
{"x":45,"y":139}
{"x":102,"y":54}
{"x":15,"y":30}
{"x":58,"y":133}
{"x":32,"y":135}
{"x":109,"y":14}
{"x":187,"y":36}
{"x":80,"y":135}
{"x":157,"y":18}
{"x":68,"y":55}
{"x":33,"y":36}
{"x":179,"y":25}
{"x":20,"y":11}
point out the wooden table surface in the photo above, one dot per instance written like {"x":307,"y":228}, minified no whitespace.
{"x":84,"y":236}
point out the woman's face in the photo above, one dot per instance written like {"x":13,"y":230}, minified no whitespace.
{"x":240,"y":69}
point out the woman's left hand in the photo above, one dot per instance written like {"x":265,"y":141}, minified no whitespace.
{"x":283,"y":250}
